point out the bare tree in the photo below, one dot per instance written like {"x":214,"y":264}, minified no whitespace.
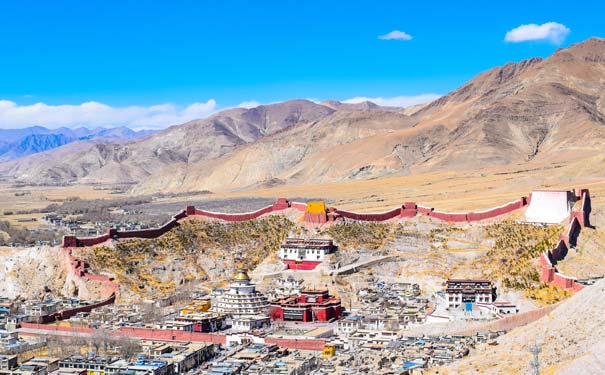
{"x":150,"y":313}
{"x":128,"y":347}
{"x":100,"y":338}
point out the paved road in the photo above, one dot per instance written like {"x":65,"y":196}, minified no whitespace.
{"x":344,"y":269}
{"x":364,"y":263}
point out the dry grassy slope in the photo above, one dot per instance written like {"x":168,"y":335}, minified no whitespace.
{"x":573,"y":331}
{"x":194,"y":250}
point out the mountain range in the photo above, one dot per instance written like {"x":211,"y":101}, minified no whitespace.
{"x":534,"y":112}
{"x":16,"y":143}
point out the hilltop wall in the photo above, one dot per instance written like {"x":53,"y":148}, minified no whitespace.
{"x":332,"y":214}
{"x":578,"y":219}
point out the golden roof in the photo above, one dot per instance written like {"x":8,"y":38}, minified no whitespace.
{"x":241,"y":275}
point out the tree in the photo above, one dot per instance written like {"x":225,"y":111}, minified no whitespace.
{"x":99,"y":338}
{"x":129,"y":347}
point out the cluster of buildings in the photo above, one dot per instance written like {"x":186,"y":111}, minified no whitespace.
{"x":366,"y":339}
{"x":250,"y":309}
{"x":406,"y":355}
{"x":262,"y":359}
{"x":79,"y":227}
{"x":153,"y":358}
{"x":401,"y":356}
{"x":395,"y":305}
{"x":12,"y":313}
{"x":9,"y":320}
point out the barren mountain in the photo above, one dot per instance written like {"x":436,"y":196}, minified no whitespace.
{"x":16,"y":143}
{"x":173,"y":148}
{"x":532,"y":113}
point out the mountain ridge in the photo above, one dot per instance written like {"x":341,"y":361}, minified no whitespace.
{"x":17,"y":143}
{"x":534,"y":112}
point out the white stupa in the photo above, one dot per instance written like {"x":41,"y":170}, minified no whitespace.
{"x":242,"y":298}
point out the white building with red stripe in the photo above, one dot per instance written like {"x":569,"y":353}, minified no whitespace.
{"x":304,"y":254}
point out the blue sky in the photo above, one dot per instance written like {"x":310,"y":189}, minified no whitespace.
{"x":167,"y":56}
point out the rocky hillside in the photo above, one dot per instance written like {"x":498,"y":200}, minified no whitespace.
{"x":533,"y":113}
{"x":40,"y":272}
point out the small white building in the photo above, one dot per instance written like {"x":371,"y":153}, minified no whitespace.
{"x":34,"y":308}
{"x":243,"y":338}
{"x":177,"y":325}
{"x":249,"y":323}
{"x":348,"y":324}
{"x":373,"y":338}
{"x":8,"y":339}
{"x":504,"y":308}
{"x":303,"y":250}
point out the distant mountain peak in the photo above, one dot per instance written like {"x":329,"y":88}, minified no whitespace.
{"x":16,"y":143}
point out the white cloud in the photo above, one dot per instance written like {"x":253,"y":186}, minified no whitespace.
{"x":93,"y":114}
{"x":396,"y":35}
{"x":248,"y":104}
{"x":551,"y":31}
{"x":396,"y":101}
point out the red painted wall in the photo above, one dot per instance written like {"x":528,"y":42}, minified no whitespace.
{"x":172,"y":335}
{"x":299,"y":206}
{"x":370,"y":217}
{"x":303,"y":266}
{"x":409,"y":209}
{"x":548,"y":272}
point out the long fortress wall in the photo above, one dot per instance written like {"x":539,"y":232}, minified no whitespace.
{"x":547,"y":261}
{"x":578,"y":219}
{"x":407,"y":210}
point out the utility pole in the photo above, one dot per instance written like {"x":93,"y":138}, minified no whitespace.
{"x":535,"y":362}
